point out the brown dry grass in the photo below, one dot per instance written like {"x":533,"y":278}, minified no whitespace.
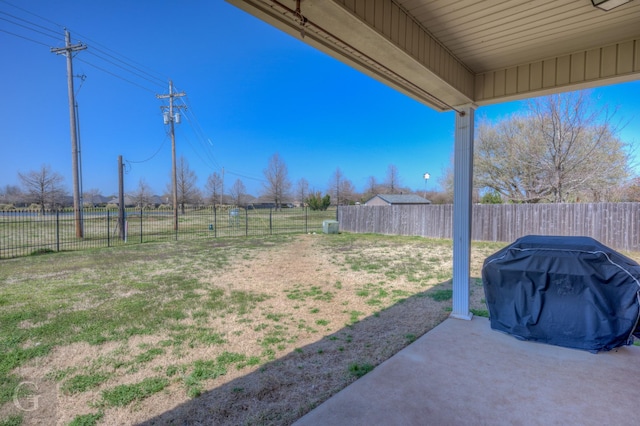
{"x":329,"y":305}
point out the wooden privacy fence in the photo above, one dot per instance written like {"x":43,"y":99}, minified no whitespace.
{"x":616,"y":225}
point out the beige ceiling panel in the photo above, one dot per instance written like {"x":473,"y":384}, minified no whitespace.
{"x":511,"y":83}
{"x":609,"y":59}
{"x":577,"y":67}
{"x":523,"y":78}
{"x":563,"y":70}
{"x":592,"y":64}
{"x":499,"y":83}
{"x":595,"y":67}
{"x":625,"y":57}
{"x":548,"y":73}
{"x":535,"y":80}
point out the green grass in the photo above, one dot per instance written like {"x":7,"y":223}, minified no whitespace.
{"x":203,"y":370}
{"x":15,"y":420}
{"x":103,"y":295}
{"x":359,"y":370}
{"x":312,"y":292}
{"x":441,"y":295}
{"x":354,"y":316}
{"x":480,"y":312}
{"x":149,"y":355}
{"x":123,"y":395}
{"x":87,"y":419}
{"x":168,"y":293}
{"x":84,"y":382}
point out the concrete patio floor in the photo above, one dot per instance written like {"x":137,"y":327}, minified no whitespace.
{"x":465,"y":373}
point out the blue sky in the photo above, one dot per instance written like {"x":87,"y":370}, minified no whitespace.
{"x":252,"y":91}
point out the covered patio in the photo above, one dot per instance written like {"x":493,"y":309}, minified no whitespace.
{"x":455,"y":57}
{"x":464,"y":373}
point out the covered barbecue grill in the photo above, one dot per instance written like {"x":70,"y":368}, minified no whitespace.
{"x":566,"y":291}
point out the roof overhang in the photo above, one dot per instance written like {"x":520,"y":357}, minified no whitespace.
{"x":468,"y":52}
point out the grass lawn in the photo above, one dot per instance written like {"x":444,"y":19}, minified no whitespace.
{"x":230,"y":331}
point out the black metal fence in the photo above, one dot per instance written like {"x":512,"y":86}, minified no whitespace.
{"x":23,"y":232}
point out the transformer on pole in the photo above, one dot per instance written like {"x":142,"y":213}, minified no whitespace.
{"x":170,"y":118}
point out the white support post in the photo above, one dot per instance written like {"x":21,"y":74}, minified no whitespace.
{"x":462,"y":205}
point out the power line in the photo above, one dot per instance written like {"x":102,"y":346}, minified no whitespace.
{"x":231,"y":172}
{"x":115,"y":75}
{"x":138,"y":66}
{"x":33,"y":14}
{"x":203,"y":148}
{"x":153,"y":156}
{"x":55,"y":35}
{"x":155,"y":80}
{"x":207,"y":147}
{"x":128,"y":65}
{"x":25,"y":38}
{"x":123,"y":68}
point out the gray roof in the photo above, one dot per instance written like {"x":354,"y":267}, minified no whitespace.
{"x":403,"y":199}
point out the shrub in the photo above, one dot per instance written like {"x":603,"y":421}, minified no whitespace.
{"x":317,"y":202}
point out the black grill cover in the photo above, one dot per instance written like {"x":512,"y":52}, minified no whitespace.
{"x":566,"y":291}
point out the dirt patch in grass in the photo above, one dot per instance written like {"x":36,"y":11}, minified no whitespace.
{"x":246,"y":334}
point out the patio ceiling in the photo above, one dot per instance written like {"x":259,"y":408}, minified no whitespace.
{"x":449,"y":53}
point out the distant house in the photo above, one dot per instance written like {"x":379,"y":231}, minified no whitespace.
{"x":396,"y":199}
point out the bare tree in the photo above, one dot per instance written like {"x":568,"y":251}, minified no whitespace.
{"x":278,"y":184}
{"x":214,"y":188}
{"x":372,"y":188}
{"x":632,"y":190}
{"x":392,"y":182}
{"x":10,"y":194}
{"x":186,"y":180}
{"x":142,"y":195}
{"x":238,"y":192}
{"x":302,"y":190}
{"x":43,"y":187}
{"x":91,"y":197}
{"x":562,"y":149}
{"x":334,"y":185}
{"x":347,"y":192}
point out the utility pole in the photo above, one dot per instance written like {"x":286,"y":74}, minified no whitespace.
{"x":68,"y":50}
{"x":121,"y":211}
{"x":170,"y":118}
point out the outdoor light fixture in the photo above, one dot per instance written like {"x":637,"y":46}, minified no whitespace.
{"x":608,"y":4}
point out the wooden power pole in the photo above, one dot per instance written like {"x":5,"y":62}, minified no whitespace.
{"x":171,"y":118}
{"x":68,"y":50}
{"x":121,"y":210}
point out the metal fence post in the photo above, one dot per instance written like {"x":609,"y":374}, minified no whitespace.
{"x":270,"y":221}
{"x":140,"y":224}
{"x":108,"y":231}
{"x":246,"y":222}
{"x":57,"y":230}
{"x":306,"y":220}
{"x":215,"y":222}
